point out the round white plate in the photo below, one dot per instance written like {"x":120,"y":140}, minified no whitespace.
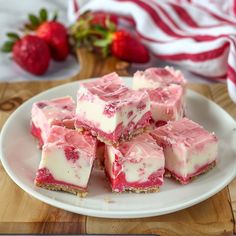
{"x":20,"y":158}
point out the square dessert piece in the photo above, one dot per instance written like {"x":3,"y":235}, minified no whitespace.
{"x":44,"y":114}
{"x":67,"y":160}
{"x":189,"y":149}
{"x":157,"y":77}
{"x":136,"y":165}
{"x":111,"y":111}
{"x":167,"y":104}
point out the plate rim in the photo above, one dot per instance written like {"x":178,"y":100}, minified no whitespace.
{"x":105,"y":213}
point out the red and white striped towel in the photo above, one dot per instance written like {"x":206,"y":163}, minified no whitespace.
{"x":199,"y":35}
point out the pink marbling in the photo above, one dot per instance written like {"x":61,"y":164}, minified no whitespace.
{"x":59,"y":111}
{"x":162,"y":76}
{"x":121,"y":164}
{"x":189,"y":149}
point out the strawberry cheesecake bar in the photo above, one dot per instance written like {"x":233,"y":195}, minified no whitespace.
{"x":111,"y":111}
{"x":166,"y":88}
{"x":67,"y":160}
{"x":136,"y":165}
{"x":44,"y":114}
{"x":167,"y":103}
{"x":157,"y":77}
{"x":189,"y":149}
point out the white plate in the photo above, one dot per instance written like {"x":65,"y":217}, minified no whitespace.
{"x":20,"y":158}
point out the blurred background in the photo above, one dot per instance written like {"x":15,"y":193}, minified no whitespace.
{"x":197,"y":37}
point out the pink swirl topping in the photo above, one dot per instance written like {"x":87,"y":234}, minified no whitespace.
{"x":164,"y":76}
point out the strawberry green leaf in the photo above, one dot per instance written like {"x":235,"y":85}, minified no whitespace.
{"x":54,"y":18}
{"x":43,"y":14}
{"x":34,"y":20}
{"x":102,"y":42}
{"x":7,"y":46}
{"x":13,"y":36}
{"x":99,"y":28}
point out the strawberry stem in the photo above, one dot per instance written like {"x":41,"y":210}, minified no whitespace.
{"x":36,"y":20}
{"x":55,"y":16}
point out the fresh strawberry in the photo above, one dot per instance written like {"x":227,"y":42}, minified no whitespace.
{"x":128,"y":48}
{"x":91,"y":27}
{"x":30,"y":52}
{"x":103,"y":19}
{"x":52,"y":32}
{"x":55,"y":35}
{"x":98,"y":33}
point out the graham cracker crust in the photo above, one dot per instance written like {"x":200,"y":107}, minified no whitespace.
{"x":122,"y":138}
{"x":141,"y":190}
{"x":59,"y":187}
{"x":132,"y":135}
{"x":168,"y":174}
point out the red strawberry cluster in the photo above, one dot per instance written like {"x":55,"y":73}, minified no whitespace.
{"x":99,"y":32}
{"x":47,"y":39}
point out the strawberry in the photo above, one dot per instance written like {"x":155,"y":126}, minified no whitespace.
{"x":30,"y":52}
{"x":98,"y":33}
{"x":52,"y":32}
{"x":128,"y":48}
{"x":103,"y":19}
{"x":55,"y":35}
{"x":90,"y":27}
{"x":71,"y":153}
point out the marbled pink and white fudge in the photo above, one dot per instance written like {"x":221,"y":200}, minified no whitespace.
{"x":167,"y":104}
{"x":111,"y":111}
{"x":67,"y":160}
{"x":136,"y":165}
{"x":44,"y":114}
{"x":188,"y":148}
{"x":153,"y":78}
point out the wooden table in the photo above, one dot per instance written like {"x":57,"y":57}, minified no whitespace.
{"x":21,"y":213}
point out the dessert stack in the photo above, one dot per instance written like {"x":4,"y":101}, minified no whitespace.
{"x":137,"y":135}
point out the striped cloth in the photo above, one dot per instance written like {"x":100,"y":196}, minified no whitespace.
{"x":199,"y":35}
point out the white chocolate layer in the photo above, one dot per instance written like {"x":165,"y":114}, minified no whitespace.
{"x":93,"y":112}
{"x":186,"y":162}
{"x":68,"y":155}
{"x":53,"y":112}
{"x":187,"y":146}
{"x":140,"y":82}
{"x":76,"y":173}
{"x":138,"y":161}
{"x":105,"y":105}
{"x":167,"y":103}
{"x":157,"y":77}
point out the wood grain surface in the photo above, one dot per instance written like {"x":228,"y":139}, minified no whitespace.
{"x":21,"y":213}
